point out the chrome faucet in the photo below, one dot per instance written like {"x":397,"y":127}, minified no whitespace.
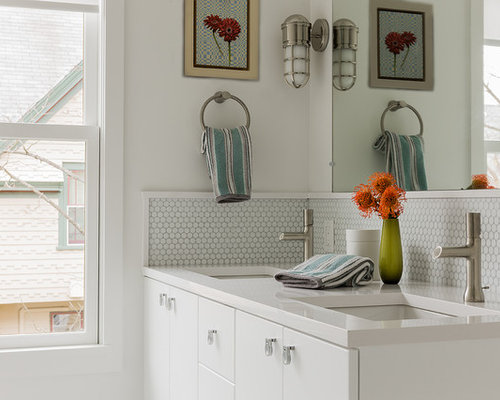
{"x":306,"y":236}
{"x":472,"y":252}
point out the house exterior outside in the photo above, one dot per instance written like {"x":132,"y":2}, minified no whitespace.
{"x":41,"y":251}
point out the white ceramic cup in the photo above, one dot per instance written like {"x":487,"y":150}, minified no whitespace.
{"x":365,"y":243}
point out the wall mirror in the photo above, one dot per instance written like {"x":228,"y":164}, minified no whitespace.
{"x":461,"y":114}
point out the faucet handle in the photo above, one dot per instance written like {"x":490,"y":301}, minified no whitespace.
{"x":473,"y":225}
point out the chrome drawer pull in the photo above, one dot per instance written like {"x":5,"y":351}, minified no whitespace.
{"x":211,"y":336}
{"x":268,"y":348}
{"x":162,"y":299}
{"x":170,"y":303}
{"x":287,"y":356}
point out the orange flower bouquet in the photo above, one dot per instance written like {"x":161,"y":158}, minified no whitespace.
{"x":480,"y":181}
{"x":383,"y":197}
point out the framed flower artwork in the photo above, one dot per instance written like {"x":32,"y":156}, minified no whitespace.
{"x":401,"y":45}
{"x":221,"y":38}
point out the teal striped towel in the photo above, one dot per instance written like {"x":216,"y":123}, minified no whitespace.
{"x":404,"y":159}
{"x":328,"y":271}
{"x":228,"y":155}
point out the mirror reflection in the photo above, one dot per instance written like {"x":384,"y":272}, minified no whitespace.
{"x":460,"y":115}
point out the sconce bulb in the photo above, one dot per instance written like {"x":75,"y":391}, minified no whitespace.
{"x":345,"y":45}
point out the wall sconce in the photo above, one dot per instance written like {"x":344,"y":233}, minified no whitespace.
{"x":345,"y":45}
{"x":297,"y":38}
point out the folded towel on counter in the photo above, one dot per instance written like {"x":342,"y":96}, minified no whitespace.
{"x":228,"y":153}
{"x":328,"y":271}
{"x":404,"y":159}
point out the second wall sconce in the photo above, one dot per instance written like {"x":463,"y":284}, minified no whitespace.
{"x":345,"y":45}
{"x":298,"y":36}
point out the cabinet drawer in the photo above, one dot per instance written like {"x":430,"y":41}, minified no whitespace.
{"x":258,"y":366}
{"x":216,"y":337}
{"x":213,"y":386}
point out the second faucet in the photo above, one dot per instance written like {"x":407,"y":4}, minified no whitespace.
{"x":306,"y":235}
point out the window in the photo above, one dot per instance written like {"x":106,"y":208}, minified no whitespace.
{"x":492,"y":109}
{"x":49,"y":174}
{"x":71,"y":229}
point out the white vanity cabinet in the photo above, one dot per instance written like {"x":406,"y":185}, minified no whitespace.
{"x":216,"y":324}
{"x":273,"y":362}
{"x":170,"y":342}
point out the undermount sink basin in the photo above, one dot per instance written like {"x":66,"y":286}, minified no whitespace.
{"x":245,"y":272}
{"x":394,"y":306}
{"x":389,"y":312}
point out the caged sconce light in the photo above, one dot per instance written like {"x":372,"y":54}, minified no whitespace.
{"x":345,"y":45}
{"x":297,"y":39}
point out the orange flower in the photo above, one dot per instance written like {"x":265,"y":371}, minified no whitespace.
{"x":381,"y":196}
{"x":380,"y":181}
{"x":480,"y":182}
{"x":364,"y":199}
{"x":391,"y":202}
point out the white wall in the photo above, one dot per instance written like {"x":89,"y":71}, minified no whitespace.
{"x":162,"y":143}
{"x":162,"y":140}
{"x":320,"y":108}
{"x":445,"y":110}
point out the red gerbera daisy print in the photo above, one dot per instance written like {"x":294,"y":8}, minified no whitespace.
{"x":408,"y":38}
{"x":229,"y":29}
{"x":394,"y":42}
{"x":212,"y":22}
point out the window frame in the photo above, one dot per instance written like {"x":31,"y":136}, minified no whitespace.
{"x":107,"y":355}
{"x":89,"y":135}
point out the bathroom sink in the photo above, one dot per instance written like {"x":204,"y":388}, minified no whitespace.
{"x":241,"y":272}
{"x":389,"y":312}
{"x":394,"y":306}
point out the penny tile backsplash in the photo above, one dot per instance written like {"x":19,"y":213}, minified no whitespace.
{"x":197,"y":231}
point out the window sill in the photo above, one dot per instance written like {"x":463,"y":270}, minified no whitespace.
{"x":60,"y":361}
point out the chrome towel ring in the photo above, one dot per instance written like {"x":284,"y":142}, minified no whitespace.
{"x":395,"y":105}
{"x":221,"y":97}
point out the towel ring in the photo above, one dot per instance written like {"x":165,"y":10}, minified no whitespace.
{"x":221,"y":97}
{"x":395,"y":105}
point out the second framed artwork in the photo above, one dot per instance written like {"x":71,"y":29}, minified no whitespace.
{"x":221,"y":38}
{"x":401,"y":45}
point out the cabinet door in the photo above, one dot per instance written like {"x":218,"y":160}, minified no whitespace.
{"x":258,"y":364}
{"x":156,"y":341}
{"x":216,"y":337}
{"x":183,"y":345}
{"x":318,"y":370}
{"x":212,"y":386}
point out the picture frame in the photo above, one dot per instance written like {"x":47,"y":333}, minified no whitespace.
{"x":221,"y":39}
{"x":401,"y":45}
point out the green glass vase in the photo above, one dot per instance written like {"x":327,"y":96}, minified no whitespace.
{"x":391,"y":252}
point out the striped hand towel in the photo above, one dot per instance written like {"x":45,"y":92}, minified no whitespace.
{"x":404,"y":159}
{"x":228,"y":155}
{"x":328,"y":271}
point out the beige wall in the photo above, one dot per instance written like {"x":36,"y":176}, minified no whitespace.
{"x":31,"y":317}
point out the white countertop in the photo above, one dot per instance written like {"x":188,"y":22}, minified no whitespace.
{"x":269,"y":299}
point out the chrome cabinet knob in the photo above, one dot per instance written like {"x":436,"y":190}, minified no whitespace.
{"x":211,"y":336}
{"x":170,"y":303}
{"x":287,"y":356}
{"x":162,"y":299}
{"x":268,"y":347}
